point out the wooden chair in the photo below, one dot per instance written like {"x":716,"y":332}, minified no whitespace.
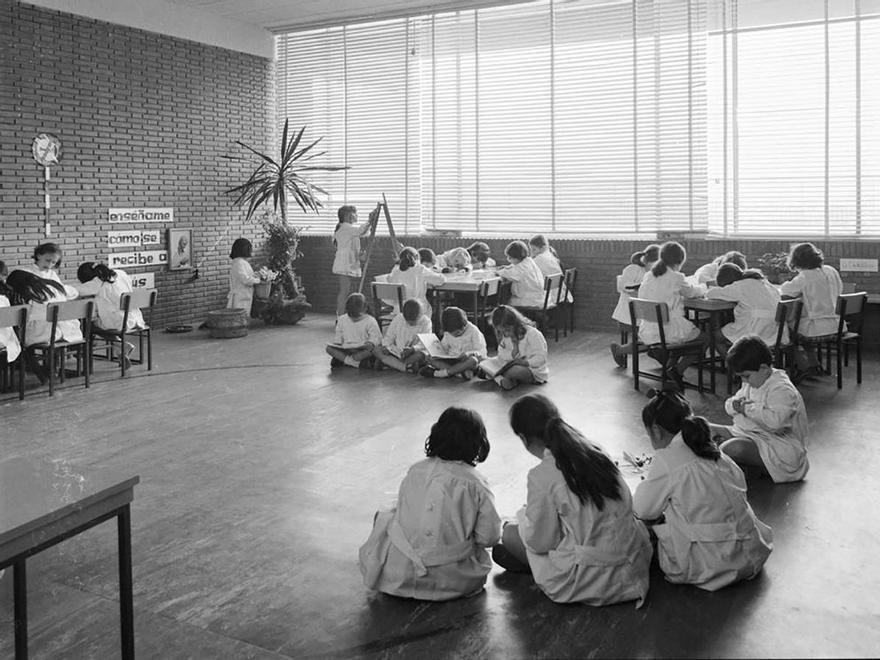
{"x":850,"y":308}
{"x":71,"y":310}
{"x":548,"y":312}
{"x":488,"y":299}
{"x":143,"y":299}
{"x":658,"y":312}
{"x":15,"y":318}
{"x":385,"y":295}
{"x":566,"y":299}
{"x":788,"y":314}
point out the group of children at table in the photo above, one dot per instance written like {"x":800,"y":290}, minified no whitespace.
{"x":38,"y":284}
{"x":522,"y":349}
{"x":655,"y":274}
{"x":581,"y":534}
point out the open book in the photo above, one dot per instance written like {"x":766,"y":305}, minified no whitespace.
{"x":495,"y":366}
{"x":434,"y":348}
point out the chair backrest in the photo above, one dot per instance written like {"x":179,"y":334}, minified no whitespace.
{"x":70,"y":310}
{"x":570,"y":277}
{"x":648,"y":310}
{"x":552,"y":289}
{"x":788,"y":312}
{"x":139,"y":298}
{"x":15,"y":316}
{"x":617,"y":281}
{"x":850,"y":308}
{"x":390,"y":294}
{"x":380,"y":278}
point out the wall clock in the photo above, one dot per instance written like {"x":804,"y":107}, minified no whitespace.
{"x":46,"y":149}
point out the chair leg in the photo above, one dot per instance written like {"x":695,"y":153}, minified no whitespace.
{"x":859,"y":359}
{"x":839,"y":365}
{"x":84,"y":354}
{"x":122,"y":352}
{"x":51,"y":359}
{"x":21,"y":377}
{"x":635,"y":366}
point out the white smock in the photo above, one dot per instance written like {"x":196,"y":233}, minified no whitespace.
{"x":241,"y":285}
{"x":710,"y":536}
{"x":532,"y":348}
{"x":471,"y":343}
{"x":577,"y":552}
{"x":527,"y":288}
{"x":631,"y":276}
{"x":818,"y":288}
{"x":672,"y":288}
{"x":348,"y":249}
{"x":107,"y":296}
{"x":775,"y":419}
{"x":432,"y":545}
{"x":415,"y":282}
{"x":8,"y":338}
{"x":400,"y":334}
{"x":755,"y":311}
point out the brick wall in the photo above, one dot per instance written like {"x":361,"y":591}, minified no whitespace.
{"x":144,"y":120}
{"x":597,"y":261}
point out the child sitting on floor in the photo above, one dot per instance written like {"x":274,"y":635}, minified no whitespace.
{"x":461,"y":338}
{"x":522,"y":351}
{"x":432,"y":544}
{"x":357,"y":335}
{"x":756,"y":301}
{"x":397,"y":348}
{"x":709,"y":535}
{"x":576,"y":534}
{"x":770,"y":427}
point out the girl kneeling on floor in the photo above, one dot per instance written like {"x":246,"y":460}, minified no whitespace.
{"x":432,"y":544}
{"x":576,"y":534}
{"x":709,"y":535}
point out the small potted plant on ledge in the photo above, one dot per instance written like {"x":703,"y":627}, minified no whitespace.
{"x":276,"y":180}
{"x":774,"y":265}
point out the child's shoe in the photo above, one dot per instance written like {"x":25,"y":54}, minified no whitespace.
{"x":427,"y":371}
{"x":366,"y":363}
{"x":619,"y":355}
{"x":336,"y":363}
{"x":467,"y":374}
{"x":676,"y":378}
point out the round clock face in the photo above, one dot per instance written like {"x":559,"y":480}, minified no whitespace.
{"x":46,"y":149}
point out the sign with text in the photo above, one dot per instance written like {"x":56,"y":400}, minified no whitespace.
{"x":145,"y":258}
{"x":142,"y":215}
{"x":132,"y":238}
{"x":143,"y":280}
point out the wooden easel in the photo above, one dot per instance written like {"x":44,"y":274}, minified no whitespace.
{"x":396,"y":245}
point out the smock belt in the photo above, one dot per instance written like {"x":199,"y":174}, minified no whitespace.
{"x":587,"y":555}
{"x":422,"y":559}
{"x":712,"y":532}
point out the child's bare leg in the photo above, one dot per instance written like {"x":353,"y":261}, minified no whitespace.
{"x":469,"y":363}
{"x":363,"y":353}
{"x":720,"y":431}
{"x":514,"y":376}
{"x":388,"y":359}
{"x":337,"y":353}
{"x":687,"y":359}
{"x":744,"y":452}
{"x":511,"y":554}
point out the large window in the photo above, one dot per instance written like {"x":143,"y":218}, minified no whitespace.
{"x":575,"y":116}
{"x":734,"y":117}
{"x":794,"y":117}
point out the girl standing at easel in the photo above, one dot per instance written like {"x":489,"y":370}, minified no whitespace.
{"x":347,"y":264}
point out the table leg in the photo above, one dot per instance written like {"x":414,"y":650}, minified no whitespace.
{"x":19,"y":585}
{"x":126,"y":598}
{"x":713,"y":318}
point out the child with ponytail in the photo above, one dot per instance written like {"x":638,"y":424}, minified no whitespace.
{"x":414,"y":276}
{"x":665,"y":283}
{"x":709,"y":535}
{"x":576,"y":534}
{"x":630,"y":280}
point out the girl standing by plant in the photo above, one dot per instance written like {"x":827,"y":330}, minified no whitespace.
{"x":709,"y":536}
{"x":576,"y":534}
{"x":347,"y":263}
{"x":432,"y":544}
{"x":241,"y":276}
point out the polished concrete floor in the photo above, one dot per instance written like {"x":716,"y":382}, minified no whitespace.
{"x":261,"y":469}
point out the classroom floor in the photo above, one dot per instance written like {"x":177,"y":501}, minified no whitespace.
{"x":261,"y":469}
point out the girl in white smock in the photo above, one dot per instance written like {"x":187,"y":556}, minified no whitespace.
{"x":347,"y":262}
{"x":818,"y":285}
{"x":548,"y":263}
{"x":37,"y":293}
{"x":415,"y":277}
{"x":522,"y":350}
{"x":770,"y":425}
{"x":756,"y":301}
{"x":241,"y":276}
{"x":709,"y":272}
{"x":629,"y":281}
{"x":527,"y":288}
{"x":576,"y":534}
{"x":107,"y":286}
{"x":432,"y":544}
{"x":47,"y":258}
{"x":398,"y":347}
{"x":709,"y":536}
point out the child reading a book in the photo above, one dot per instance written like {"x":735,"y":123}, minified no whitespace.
{"x":462,"y":342}
{"x":522,"y":351}
{"x":357,"y":334}
{"x":397,"y":349}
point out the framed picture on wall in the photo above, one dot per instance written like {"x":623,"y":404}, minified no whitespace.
{"x":179,"y":249}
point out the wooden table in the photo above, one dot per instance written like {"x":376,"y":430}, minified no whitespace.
{"x":45,"y":502}
{"x":715,"y":310}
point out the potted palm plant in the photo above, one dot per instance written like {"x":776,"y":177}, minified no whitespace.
{"x":274,"y":181}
